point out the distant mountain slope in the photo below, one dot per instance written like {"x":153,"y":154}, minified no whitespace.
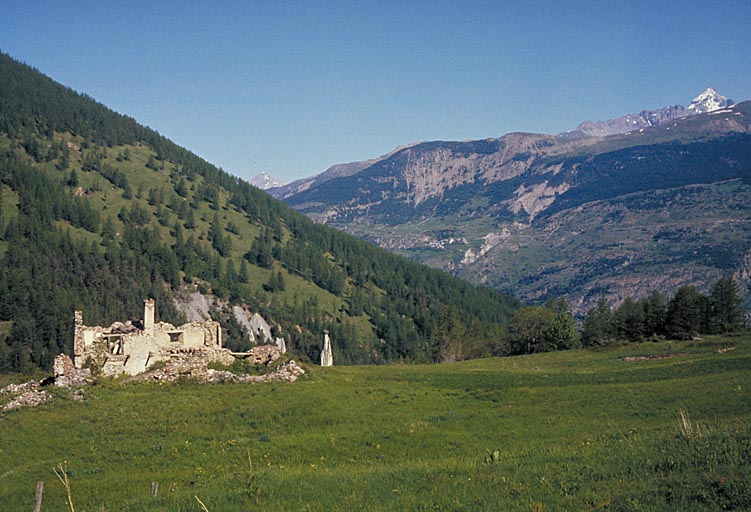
{"x":265,"y":182}
{"x":98,"y":212}
{"x":491,"y":210}
{"x":707,"y":101}
{"x":335,"y":171}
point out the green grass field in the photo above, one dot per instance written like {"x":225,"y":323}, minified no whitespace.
{"x":577,"y":430}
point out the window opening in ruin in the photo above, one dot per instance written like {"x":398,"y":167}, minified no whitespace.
{"x":176,"y":336}
{"x":115,"y":345}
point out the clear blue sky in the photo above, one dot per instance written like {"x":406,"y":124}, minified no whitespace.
{"x":293,"y":87}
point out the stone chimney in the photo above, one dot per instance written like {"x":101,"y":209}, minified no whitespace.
{"x":148,"y":314}
{"x":327,"y":358}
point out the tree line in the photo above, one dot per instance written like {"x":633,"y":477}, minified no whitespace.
{"x":686,"y":314}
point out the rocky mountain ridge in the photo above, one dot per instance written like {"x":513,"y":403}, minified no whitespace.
{"x":475,"y":208}
{"x":708,"y":101}
{"x":264,"y":181}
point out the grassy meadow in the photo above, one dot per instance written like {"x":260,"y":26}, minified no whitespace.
{"x":576,"y":430}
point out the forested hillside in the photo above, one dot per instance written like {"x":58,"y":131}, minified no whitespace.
{"x":98,"y":212}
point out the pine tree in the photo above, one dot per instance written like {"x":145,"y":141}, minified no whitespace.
{"x":598,"y":324}
{"x":629,"y":320}
{"x":726,"y":306}
{"x":654,"y":314}
{"x":686,"y":314}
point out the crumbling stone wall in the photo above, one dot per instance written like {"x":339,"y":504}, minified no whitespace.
{"x":126,"y":348}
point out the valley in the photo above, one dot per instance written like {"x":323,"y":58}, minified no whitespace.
{"x":577,"y":215}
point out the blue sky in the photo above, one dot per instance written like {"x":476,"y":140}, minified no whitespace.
{"x":293,"y":87}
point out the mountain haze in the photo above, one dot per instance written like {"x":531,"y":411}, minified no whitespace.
{"x":98,"y":212}
{"x":618,"y":207}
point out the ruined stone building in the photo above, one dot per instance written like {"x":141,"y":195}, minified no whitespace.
{"x":131,"y":349}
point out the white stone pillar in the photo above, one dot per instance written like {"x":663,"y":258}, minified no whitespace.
{"x":148,"y":314}
{"x":327,"y":357}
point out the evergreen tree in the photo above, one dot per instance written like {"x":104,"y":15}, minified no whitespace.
{"x":686,"y":314}
{"x":450,"y":336}
{"x":562,"y":333}
{"x":629,"y":320}
{"x":244,"y":274}
{"x":73,"y":179}
{"x":654,"y":314}
{"x":598,"y":324}
{"x":726,"y":306}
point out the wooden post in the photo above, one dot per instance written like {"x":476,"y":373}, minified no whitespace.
{"x":38,"y":497}
{"x":154,"y":488}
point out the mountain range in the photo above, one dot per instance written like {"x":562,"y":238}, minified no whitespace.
{"x":618,"y":208}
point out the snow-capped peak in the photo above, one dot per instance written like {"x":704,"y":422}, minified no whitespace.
{"x":265,"y":182}
{"x":708,"y":101}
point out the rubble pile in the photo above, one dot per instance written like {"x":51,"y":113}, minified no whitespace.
{"x":262,"y":354}
{"x":197,"y":368}
{"x":288,"y":372}
{"x":28,"y":399}
{"x":15,"y":389}
{"x":187,"y":363}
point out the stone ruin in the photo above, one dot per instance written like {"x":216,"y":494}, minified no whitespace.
{"x":32,"y":393}
{"x":125,"y":348}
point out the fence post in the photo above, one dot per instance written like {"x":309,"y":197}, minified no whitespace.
{"x":154,"y":488}
{"x":38,"y":497}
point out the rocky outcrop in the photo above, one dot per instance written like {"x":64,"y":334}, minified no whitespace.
{"x":197,"y":306}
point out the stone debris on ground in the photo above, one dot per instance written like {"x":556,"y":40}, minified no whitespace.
{"x":632,"y":359}
{"x":198,"y":370}
{"x":15,"y":389}
{"x":288,"y":372}
{"x":28,"y":399}
{"x":193,"y":365}
{"x":262,"y":354}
